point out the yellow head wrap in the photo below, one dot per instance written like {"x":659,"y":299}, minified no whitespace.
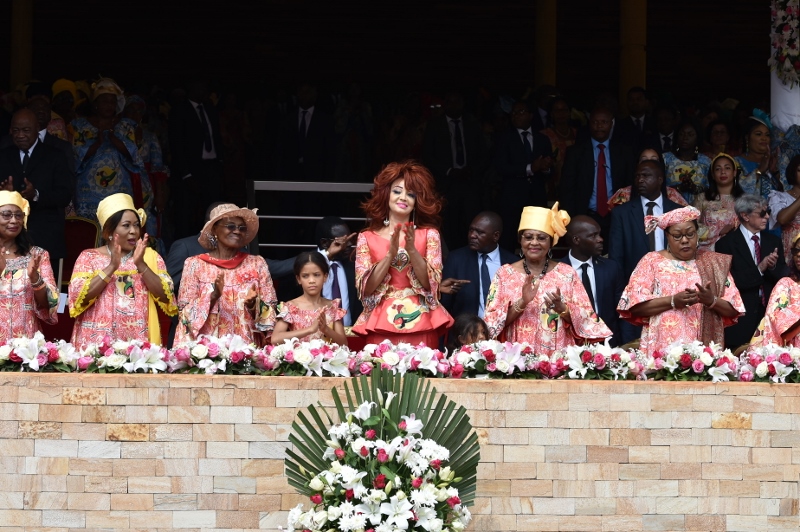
{"x":115,"y":203}
{"x":14,"y":198}
{"x":109,"y":86}
{"x":550,"y":221}
{"x":62,"y":85}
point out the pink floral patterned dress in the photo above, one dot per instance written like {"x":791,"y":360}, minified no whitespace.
{"x":657,"y":276}
{"x":777,"y":202}
{"x":228,"y":315}
{"x":783,"y":312}
{"x":298,"y":318}
{"x":714,"y":217}
{"x":400,"y":309}
{"x":19,"y":314}
{"x":122,"y":308}
{"x":539,"y":326}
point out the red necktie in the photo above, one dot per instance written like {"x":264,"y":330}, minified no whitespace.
{"x":757,"y":248}
{"x":602,"y":192}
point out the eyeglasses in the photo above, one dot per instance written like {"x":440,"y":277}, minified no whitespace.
{"x":764,"y":213}
{"x":234,"y":227}
{"x":7,"y":215}
{"x":681,"y":236}
{"x":795,"y":252}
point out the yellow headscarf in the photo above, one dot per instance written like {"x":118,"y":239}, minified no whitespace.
{"x":105,"y":210}
{"x":551,"y":221}
{"x":62,"y":85}
{"x":14,"y":198}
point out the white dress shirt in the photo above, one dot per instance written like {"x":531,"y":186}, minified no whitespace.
{"x":212,"y":153}
{"x":748,"y":238}
{"x":658,"y":210}
{"x":309,"y":112}
{"x":452,"y":125}
{"x":671,"y":141}
{"x":42,"y":133}
{"x":529,"y":137}
{"x":343,"y":289}
{"x":590,"y":271}
{"x":493,"y":263}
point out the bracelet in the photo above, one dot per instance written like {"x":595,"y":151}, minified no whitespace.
{"x":106,"y":279}
{"x":38,"y":287}
{"x":146,"y":269}
{"x":672,"y":301}
{"x":39,"y":282}
{"x":516,"y":306}
{"x":713,"y":303}
{"x":562,"y":314}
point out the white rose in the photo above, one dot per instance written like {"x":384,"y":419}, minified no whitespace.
{"x":200,"y":351}
{"x":5,"y":351}
{"x":390,"y":358}
{"x":336,"y":467}
{"x":706,"y":359}
{"x":762,"y":369}
{"x":334,"y":513}
{"x":502,"y":366}
{"x":320,"y":518}
{"x":303,"y":356}
{"x":116,"y":361}
{"x":625,"y":357}
{"x":463,"y":358}
{"x":435,"y":525}
{"x":316,"y":484}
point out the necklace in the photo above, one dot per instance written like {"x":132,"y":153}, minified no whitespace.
{"x":10,"y":252}
{"x":123,"y":259}
{"x":528,"y":270}
{"x":562,"y":135}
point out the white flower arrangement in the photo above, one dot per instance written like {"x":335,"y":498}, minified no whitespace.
{"x":770,"y":363}
{"x":785,"y":39}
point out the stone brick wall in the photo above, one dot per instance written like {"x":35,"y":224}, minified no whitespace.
{"x":119,"y":452}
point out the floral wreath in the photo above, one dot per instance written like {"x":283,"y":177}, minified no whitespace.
{"x":785,"y":39}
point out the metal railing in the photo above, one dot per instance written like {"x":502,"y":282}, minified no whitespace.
{"x":298,"y":186}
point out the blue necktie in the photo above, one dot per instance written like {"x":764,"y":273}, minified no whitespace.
{"x":485,"y":279}
{"x":336,"y":292}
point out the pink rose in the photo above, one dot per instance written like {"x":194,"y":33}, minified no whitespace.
{"x":599,"y":361}
{"x":364,"y":451}
{"x":416,"y":483}
{"x":443,"y":367}
{"x":316,"y":498}
{"x":586,"y":357}
{"x":382,"y":456}
{"x":236,"y":357}
{"x":289,"y":358}
{"x":108,"y":352}
{"x":489,"y":355}
{"x":658,"y":363}
{"x":686,"y":361}
{"x":213,"y":350}
{"x":380,"y":482}
{"x":771,"y":358}
{"x":755,"y":359}
{"x":658,"y":353}
{"x":698,"y":366}
{"x":370,"y":434}
{"x":52,"y":352}
{"x":402,"y":425}
{"x":365,"y":368}
{"x":615,"y":358}
{"x":491,"y":367}
{"x":436,"y":464}
{"x":457,"y":371}
{"x":414,"y":366}
{"x":352,"y":363}
{"x":439,"y":355}
{"x":13,"y":357}
{"x":339,"y":453}
{"x":84,"y":362}
{"x":785,"y":359}
{"x":41,"y":358}
{"x":452,"y":501}
{"x":746,"y":376}
{"x":771,"y":369}
{"x":559,"y":367}
{"x":545,"y":368}
{"x":182,"y":354}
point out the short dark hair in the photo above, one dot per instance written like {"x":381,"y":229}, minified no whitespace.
{"x":314,"y":257}
{"x":495,"y":221}
{"x":637,"y":88}
{"x":113,"y":221}
{"x":715,"y":123}
{"x":791,"y":170}
{"x":324,"y":228}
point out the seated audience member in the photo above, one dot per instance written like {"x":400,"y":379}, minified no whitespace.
{"x":468,"y":271}
{"x":594,"y":169}
{"x":663,"y":138}
{"x":226,"y":291}
{"x":310,"y":316}
{"x":602,"y":278}
{"x":65,"y":96}
{"x":687,"y":170}
{"x":628,"y":240}
{"x":623,"y":195}
{"x":337,"y":245}
{"x":523,"y":158}
{"x":716,"y":204}
{"x":42,"y":174}
{"x":781,"y":323}
{"x":678,"y":294}
{"x":633,"y":129}
{"x":538,"y":301}
{"x":466,"y":330}
{"x":759,"y":166}
{"x":785,"y":206}
{"x":562,"y":135}
{"x":718,"y":140}
{"x":757,"y":264}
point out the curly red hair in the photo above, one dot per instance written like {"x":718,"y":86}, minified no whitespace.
{"x":418,"y":180}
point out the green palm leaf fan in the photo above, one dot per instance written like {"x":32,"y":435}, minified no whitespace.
{"x":444,"y":422}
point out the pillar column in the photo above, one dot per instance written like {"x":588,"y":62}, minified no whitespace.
{"x":21,"y":41}
{"x":545,"y":43}
{"x":633,"y":42}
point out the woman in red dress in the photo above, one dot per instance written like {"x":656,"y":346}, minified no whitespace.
{"x":399,"y":259}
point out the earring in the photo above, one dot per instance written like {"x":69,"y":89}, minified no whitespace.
{"x":413,"y":218}
{"x":696,"y":150}
{"x":386,"y":222}
{"x":550,"y":253}
{"x":212,"y":239}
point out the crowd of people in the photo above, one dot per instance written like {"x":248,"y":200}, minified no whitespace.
{"x":672,"y":226}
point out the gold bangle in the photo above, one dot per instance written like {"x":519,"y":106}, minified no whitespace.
{"x":146,"y":269}
{"x":516,"y":306}
{"x":562,"y":314}
{"x":106,"y":279}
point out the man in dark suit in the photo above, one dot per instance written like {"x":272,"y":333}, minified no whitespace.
{"x":523,"y":159}
{"x":628,"y":240}
{"x":469,"y":271}
{"x":593,"y":170}
{"x":757,"y":265}
{"x":602,"y":278}
{"x":337,"y":243}
{"x":454,"y":149}
{"x":663,"y":137}
{"x":307,"y":141}
{"x":42,"y":174}
{"x":196,"y":167}
{"x":633,"y":129}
